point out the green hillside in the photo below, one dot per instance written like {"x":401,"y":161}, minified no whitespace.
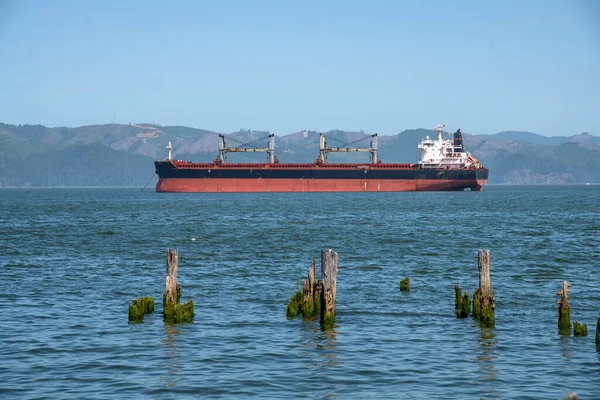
{"x":80,"y":165}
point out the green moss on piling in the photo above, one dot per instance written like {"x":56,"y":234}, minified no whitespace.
{"x":476,"y":304}
{"x":462,"y":304}
{"x":187,"y":312}
{"x":176,"y":313}
{"x":564,"y":320}
{"x":405,"y":285}
{"x":487,"y":316}
{"x":457,"y":301}
{"x":140,"y":307}
{"x":308,"y":308}
{"x":327,"y":322}
{"x":295,"y":305}
{"x":483,"y":311}
{"x":579,"y":329}
{"x":317,"y":304}
{"x":465,"y":306}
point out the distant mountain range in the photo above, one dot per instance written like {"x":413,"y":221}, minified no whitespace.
{"x":122,"y":155}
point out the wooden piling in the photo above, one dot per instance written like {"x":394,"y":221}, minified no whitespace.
{"x":564,"y":310}
{"x":462,"y":304}
{"x":308,"y":301}
{"x":483,"y":297}
{"x":457,"y":300}
{"x":308,"y":292}
{"x":466,"y":306}
{"x":172,"y":288}
{"x":598,"y":334}
{"x":405,"y":285}
{"x":173,"y":311}
{"x":139,"y":308}
{"x":579,"y":329}
{"x":317,"y":296}
{"x":329,"y":269}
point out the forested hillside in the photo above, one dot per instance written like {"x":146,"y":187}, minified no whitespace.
{"x":122,"y":155}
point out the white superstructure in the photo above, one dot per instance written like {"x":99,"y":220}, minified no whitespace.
{"x":445,"y":153}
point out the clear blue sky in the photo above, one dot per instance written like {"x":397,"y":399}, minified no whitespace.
{"x":284,"y":66}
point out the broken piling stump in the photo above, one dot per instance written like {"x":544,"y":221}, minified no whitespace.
{"x":579,"y":329}
{"x":139,"y":308}
{"x":173,"y":311}
{"x":405,"y":285}
{"x":462,"y":304}
{"x":483,"y":297}
{"x":308,"y":301}
{"x":311,"y":305}
{"x":564,"y":310}
{"x":598,"y":334}
{"x":317,"y":296}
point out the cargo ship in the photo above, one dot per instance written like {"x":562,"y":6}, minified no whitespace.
{"x":445,"y":165}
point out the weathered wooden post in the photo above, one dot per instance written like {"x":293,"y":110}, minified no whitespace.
{"x":307,"y":302}
{"x":483,"y":297}
{"x":564,"y":310}
{"x":172,"y":289}
{"x":317,"y":297}
{"x":462,"y":303}
{"x":173,"y":311}
{"x":310,"y":305}
{"x":329,"y":269}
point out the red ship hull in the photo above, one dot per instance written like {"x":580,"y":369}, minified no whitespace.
{"x":218,"y":185}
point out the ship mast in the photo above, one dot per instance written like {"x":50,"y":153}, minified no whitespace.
{"x":169,"y":147}
{"x":439,"y":129}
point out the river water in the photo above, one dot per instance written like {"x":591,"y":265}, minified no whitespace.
{"x":72,"y":260}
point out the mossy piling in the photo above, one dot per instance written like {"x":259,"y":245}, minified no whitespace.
{"x":310,"y":305}
{"x":598,"y":334}
{"x":173,"y":311}
{"x":462,"y":304}
{"x":405,"y":285}
{"x":294,"y":307}
{"x":307,"y":301}
{"x":483,"y":297}
{"x":139,"y":308}
{"x":317,"y":297}
{"x":579,"y":329}
{"x":564,"y":310}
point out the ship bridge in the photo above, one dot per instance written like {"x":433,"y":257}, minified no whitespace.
{"x":445,"y":153}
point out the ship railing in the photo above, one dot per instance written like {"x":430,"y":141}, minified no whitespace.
{"x":193,"y":165}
